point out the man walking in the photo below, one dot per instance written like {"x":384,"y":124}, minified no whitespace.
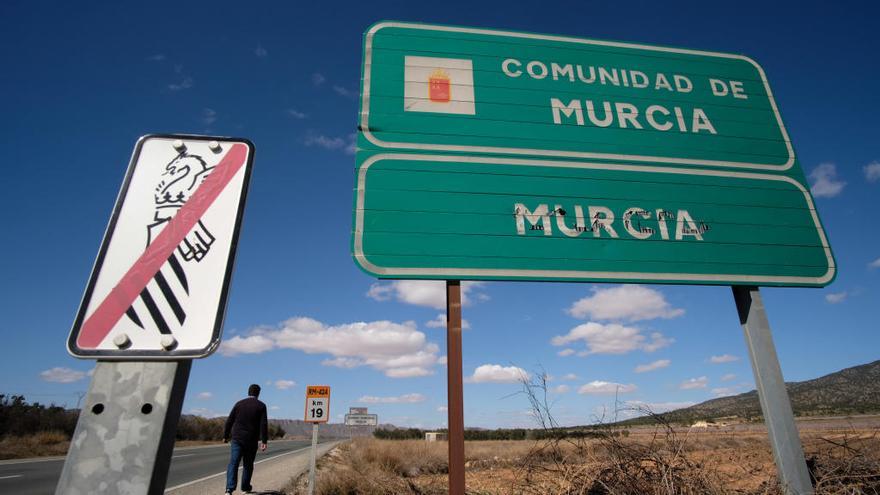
{"x":247,"y":423}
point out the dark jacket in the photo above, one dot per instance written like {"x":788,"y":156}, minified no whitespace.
{"x":247,"y":422}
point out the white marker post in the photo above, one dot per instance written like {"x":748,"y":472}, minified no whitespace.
{"x":317,"y":412}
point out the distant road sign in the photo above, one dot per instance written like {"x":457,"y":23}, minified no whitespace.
{"x":358,"y":410}
{"x":498,"y":155}
{"x":317,"y":404}
{"x":160,"y":282}
{"x":362,"y":420}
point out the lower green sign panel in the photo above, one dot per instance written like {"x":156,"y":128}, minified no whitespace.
{"x":461,"y":217}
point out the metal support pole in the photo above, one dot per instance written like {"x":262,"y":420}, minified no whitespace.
{"x":313,"y":458}
{"x":455,"y":400}
{"x":125,"y":433}
{"x":787,"y":451}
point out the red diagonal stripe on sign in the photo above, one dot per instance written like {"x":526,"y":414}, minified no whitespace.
{"x":111,"y":309}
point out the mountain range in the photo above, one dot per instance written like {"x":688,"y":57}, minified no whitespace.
{"x":853,"y":390}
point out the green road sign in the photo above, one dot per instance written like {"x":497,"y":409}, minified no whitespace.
{"x":437,"y":88}
{"x":497,"y":155}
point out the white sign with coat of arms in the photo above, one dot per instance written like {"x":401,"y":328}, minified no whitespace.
{"x":440,"y":85}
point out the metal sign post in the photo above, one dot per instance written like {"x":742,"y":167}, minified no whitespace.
{"x":784,"y":440}
{"x":125,"y":433}
{"x":455,"y":399}
{"x":313,"y":458}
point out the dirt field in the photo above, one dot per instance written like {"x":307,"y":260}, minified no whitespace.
{"x":844,"y":457}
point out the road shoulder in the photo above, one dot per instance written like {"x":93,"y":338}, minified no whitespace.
{"x":270,"y":474}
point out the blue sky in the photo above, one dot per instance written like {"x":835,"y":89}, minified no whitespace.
{"x":81,"y":83}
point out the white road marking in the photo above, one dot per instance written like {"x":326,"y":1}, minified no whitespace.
{"x":11,"y":476}
{"x":181,"y":455}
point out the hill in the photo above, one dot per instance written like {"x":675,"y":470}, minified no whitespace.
{"x":853,"y":390}
{"x":298,"y":428}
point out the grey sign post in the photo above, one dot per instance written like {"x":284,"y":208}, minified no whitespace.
{"x":783,"y":433}
{"x":125,"y":433}
{"x":171,"y":240}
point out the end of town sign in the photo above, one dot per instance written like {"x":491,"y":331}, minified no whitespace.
{"x":489,"y":154}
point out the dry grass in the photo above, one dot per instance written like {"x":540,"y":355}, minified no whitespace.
{"x":44,"y":443}
{"x":662,"y":460}
{"x":643,"y":463}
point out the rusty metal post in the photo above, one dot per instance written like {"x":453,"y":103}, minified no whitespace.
{"x":455,"y":398}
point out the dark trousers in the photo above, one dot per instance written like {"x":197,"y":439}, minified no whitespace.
{"x":240,"y":452}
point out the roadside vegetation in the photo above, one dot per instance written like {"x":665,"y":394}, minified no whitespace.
{"x":660,"y":459}
{"x":35,"y":430}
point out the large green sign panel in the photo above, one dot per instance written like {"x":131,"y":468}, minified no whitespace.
{"x":497,"y":155}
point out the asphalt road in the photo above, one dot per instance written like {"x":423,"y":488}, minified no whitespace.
{"x":39,"y":476}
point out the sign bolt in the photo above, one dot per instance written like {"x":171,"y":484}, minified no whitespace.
{"x":215,"y":146}
{"x":178,"y":145}
{"x":168,"y":342}
{"x":121,"y":340}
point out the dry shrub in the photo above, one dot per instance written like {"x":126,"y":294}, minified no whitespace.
{"x":42,"y":443}
{"x":376,"y":467}
{"x":847,"y":464}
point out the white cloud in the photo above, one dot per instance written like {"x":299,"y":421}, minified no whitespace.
{"x":344,"y":92}
{"x":440,"y":322}
{"x":565,"y":352}
{"x":284,"y":384}
{"x":343,"y":362}
{"x":348,"y":144}
{"x":872,"y":171}
{"x":725,"y":391}
{"x":261,"y":52}
{"x":825,"y":181}
{"x":625,"y":302}
{"x":185,"y":83}
{"x":62,"y":375}
{"x":728,"y":377}
{"x":724,"y":358}
{"x":274,"y":408}
{"x":835,"y":297}
{"x":599,"y":387}
{"x":204,"y":412}
{"x":400,"y":399}
{"x":658,"y":407}
{"x":612,"y":338}
{"x":209,"y":116}
{"x":397,"y":349}
{"x":561,"y":389}
{"x":442,"y":409}
{"x":159,"y":57}
{"x":569,"y":377}
{"x":692,"y":383}
{"x":254,"y":344}
{"x":656,"y":365}
{"x":495,"y":373}
{"x":430,"y":293}
{"x":318,"y":79}
{"x":204,"y":395}
{"x":874,"y":264}
{"x":296,"y":114}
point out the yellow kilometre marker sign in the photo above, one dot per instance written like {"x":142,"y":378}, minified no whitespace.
{"x":317,"y":404}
